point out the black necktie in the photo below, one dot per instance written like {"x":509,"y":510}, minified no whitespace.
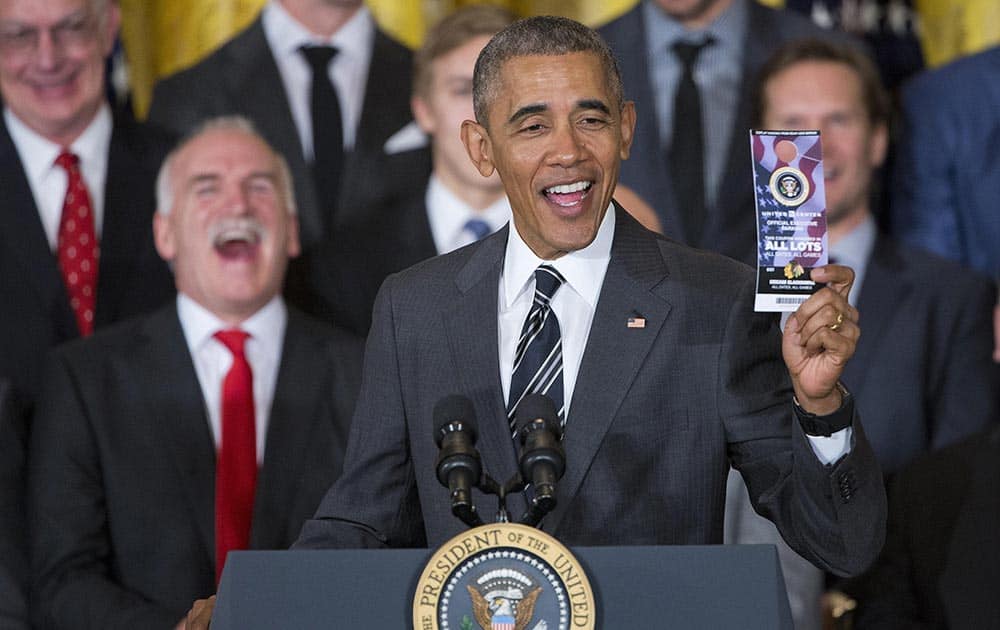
{"x":327,"y":128}
{"x":687,"y":146}
{"x":538,"y":363}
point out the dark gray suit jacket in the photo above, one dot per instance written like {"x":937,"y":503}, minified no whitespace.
{"x":122,"y":468}
{"x":132,"y":277}
{"x":657,"y":416}
{"x":730,"y":226}
{"x":242,"y":78}
{"x":923,"y":371}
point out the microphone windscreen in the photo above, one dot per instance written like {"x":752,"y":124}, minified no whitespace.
{"x":535,"y":406}
{"x":451,"y":413}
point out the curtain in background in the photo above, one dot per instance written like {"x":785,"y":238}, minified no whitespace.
{"x":954,"y":28}
{"x":163,"y":36}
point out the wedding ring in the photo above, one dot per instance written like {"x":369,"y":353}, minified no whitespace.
{"x":840,"y":320}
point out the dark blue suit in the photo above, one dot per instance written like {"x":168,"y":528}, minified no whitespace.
{"x":947,"y":179}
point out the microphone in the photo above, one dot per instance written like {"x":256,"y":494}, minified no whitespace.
{"x":543,"y":460}
{"x":458,"y":465}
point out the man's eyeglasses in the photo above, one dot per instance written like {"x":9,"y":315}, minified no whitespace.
{"x":74,"y":31}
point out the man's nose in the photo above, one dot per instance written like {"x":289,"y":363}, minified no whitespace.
{"x":567,"y":145}
{"x":47,"y":51}
{"x":237,"y":200}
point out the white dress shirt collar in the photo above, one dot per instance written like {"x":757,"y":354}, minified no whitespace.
{"x":266,"y":327}
{"x":447,"y":215}
{"x":48,"y":181}
{"x":583,"y":269}
{"x":854,"y":250}
{"x":212,"y":359}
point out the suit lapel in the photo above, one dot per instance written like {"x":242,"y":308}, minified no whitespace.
{"x":389,"y":71}
{"x":472,"y":327}
{"x":177,"y":408}
{"x":416,"y":234}
{"x":732,"y":196}
{"x":614,"y":352}
{"x":257,"y":83}
{"x":22,"y":232}
{"x":293,"y":419}
{"x":649,"y":163}
{"x":885,"y":287}
{"x":123,"y":223}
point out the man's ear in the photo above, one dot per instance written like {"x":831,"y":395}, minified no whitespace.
{"x":422,"y":114}
{"x":478,"y":145}
{"x":292,"y":246}
{"x":879,"y":145}
{"x":110,"y":28}
{"x":163,"y":236}
{"x":627,"y":129}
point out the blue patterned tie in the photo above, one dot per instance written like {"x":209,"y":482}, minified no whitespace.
{"x":538,"y":361}
{"x":477,"y":227}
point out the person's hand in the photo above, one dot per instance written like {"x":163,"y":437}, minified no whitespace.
{"x":819,"y":338}
{"x":200,"y":614}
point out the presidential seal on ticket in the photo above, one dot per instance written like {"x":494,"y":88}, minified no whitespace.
{"x":791,"y":216}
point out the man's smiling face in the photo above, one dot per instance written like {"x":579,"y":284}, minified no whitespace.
{"x":556,"y":135}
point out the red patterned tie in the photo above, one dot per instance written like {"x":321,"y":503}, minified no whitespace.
{"x":77,"y":248}
{"x":236,"y":465}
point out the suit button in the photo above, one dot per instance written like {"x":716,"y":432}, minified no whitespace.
{"x":847,"y":484}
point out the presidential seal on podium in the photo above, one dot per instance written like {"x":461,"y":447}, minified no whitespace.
{"x":503,"y":576}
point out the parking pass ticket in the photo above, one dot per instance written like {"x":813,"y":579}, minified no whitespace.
{"x":791,"y":216}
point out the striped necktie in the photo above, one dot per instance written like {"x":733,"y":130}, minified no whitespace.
{"x":538,"y":361}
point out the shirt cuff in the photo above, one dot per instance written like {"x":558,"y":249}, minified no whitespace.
{"x":830,"y":449}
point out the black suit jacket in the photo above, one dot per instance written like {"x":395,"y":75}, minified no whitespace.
{"x":13,"y":551}
{"x":923,"y":371}
{"x":730,"y":226}
{"x":345,"y":272}
{"x":657,"y":416}
{"x":940,"y":567}
{"x":242,"y":78}
{"x":132,"y":277}
{"x":122,"y":468}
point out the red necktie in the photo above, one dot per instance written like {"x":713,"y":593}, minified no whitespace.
{"x":77,"y":249}
{"x":236,"y":464}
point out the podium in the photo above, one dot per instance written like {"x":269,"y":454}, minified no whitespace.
{"x":725,"y":586}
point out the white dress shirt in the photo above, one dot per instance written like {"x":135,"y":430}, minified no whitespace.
{"x":212,"y":359}
{"x":348,"y":70}
{"x":447,"y":215}
{"x":48,"y":181}
{"x":854,"y":250}
{"x":573,"y":304}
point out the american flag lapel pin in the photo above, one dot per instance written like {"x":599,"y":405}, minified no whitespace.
{"x":636,"y":321}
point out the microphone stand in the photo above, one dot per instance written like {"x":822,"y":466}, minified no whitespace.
{"x":532,"y":516}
